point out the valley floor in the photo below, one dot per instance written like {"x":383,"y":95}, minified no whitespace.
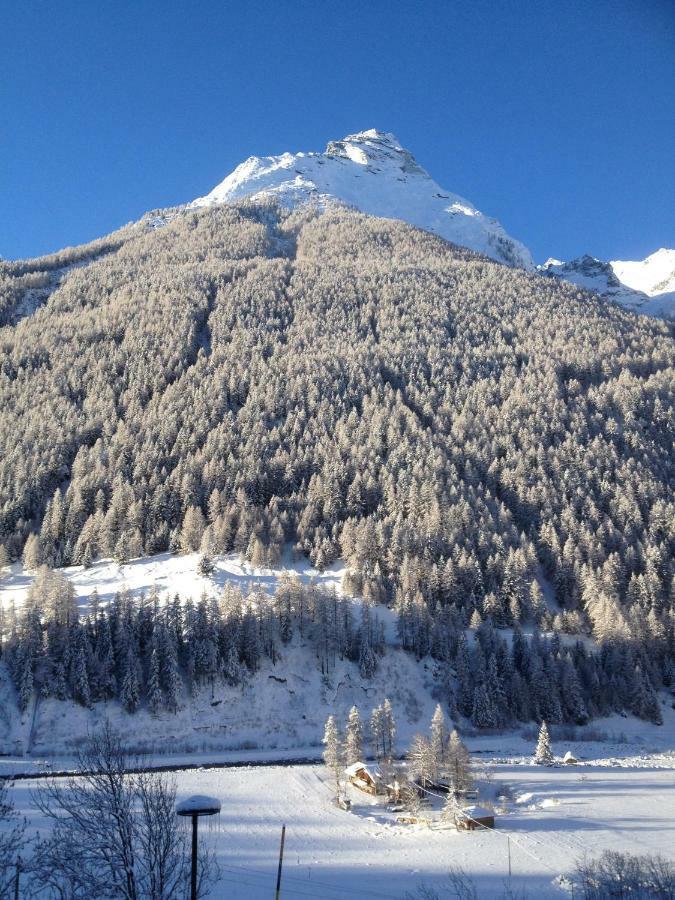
{"x":553,"y":817}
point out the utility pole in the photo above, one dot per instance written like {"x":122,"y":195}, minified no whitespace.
{"x":193,"y":866}
{"x":281,"y":860}
{"x":16,"y":881}
{"x":508,"y":844}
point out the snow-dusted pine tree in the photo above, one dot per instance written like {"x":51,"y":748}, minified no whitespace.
{"x":459,"y":764}
{"x":377,"y":732}
{"x":439,"y":738}
{"x":332,"y":755}
{"x":154,"y":691}
{"x":81,"y":691}
{"x":388,"y":729}
{"x":543,"y":755}
{"x":129,"y":694}
{"x":420,"y":760}
{"x":451,"y":807}
{"x":482,"y":714}
{"x":353,"y":737}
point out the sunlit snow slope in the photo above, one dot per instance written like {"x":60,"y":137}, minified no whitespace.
{"x":373,"y":173}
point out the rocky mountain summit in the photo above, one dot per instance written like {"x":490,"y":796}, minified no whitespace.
{"x":371,"y":171}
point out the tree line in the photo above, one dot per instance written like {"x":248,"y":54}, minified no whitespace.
{"x":154,"y":651}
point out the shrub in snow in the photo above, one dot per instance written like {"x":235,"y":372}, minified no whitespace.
{"x":625,"y":875}
{"x":113,"y":834}
{"x":11,"y":842}
{"x":332,"y":755}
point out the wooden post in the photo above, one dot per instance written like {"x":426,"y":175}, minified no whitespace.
{"x":281,"y":860}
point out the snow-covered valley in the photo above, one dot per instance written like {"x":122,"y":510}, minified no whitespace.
{"x":552,"y":817}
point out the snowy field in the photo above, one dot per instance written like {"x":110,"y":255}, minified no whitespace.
{"x":169,"y":574}
{"x":553,"y":817}
{"x":620,"y":796}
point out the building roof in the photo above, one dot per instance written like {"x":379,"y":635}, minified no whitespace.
{"x":476,"y":812}
{"x":372,"y":771}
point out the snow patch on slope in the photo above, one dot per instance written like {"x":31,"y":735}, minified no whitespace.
{"x":653,"y":276}
{"x":372,"y":172}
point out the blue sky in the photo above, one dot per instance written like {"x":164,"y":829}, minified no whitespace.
{"x":556,"y":117}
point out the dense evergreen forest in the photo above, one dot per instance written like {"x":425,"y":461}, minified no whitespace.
{"x":467,"y":436}
{"x":154,"y":650}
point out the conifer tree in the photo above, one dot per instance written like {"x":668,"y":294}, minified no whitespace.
{"x":33,"y":556}
{"x":388,"y":729}
{"x":154,"y":691}
{"x":439,"y":738}
{"x":459,"y":764}
{"x":543,"y":755}
{"x":25,"y":681}
{"x":421,"y":761}
{"x":451,"y":807}
{"x":192,"y":530}
{"x":377,"y":735}
{"x":353,"y":737}
{"x":81,"y":691}
{"x":482,"y":712}
{"x":129,"y":693}
{"x":332,"y":755}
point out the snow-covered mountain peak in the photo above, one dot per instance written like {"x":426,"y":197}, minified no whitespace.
{"x":371,"y":171}
{"x":654,"y":275}
{"x":373,"y":148}
{"x":646,"y":286}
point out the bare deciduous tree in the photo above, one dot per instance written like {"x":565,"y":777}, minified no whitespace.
{"x":114,"y":834}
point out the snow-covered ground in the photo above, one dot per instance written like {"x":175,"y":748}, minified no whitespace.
{"x":552,"y":817}
{"x":169,"y":574}
{"x":281,"y":707}
{"x":620,"y":796}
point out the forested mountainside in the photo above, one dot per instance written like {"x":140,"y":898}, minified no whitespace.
{"x":460,"y":432}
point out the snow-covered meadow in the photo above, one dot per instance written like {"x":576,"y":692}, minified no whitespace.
{"x":554,"y":816}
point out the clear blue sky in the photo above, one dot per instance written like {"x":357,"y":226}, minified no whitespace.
{"x":557,"y":117}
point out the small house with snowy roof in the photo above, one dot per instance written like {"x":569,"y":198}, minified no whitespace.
{"x":366,"y":778}
{"x":472,"y":817}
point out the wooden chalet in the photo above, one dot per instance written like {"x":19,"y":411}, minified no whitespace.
{"x":365,"y":778}
{"x":473,"y":817}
